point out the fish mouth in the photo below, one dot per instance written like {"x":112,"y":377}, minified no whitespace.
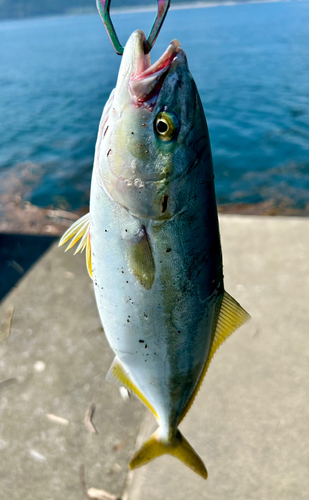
{"x":147,"y":79}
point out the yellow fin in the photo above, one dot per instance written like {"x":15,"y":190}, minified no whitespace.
{"x":118,"y":375}
{"x":80,"y":231}
{"x":230,"y":316}
{"x":77,"y":231}
{"x":88,"y":257}
{"x":140,"y":258}
{"x":178,"y":447}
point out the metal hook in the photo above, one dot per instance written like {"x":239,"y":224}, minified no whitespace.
{"x":103,"y":7}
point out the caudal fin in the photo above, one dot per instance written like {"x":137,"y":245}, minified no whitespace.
{"x":179,"y":447}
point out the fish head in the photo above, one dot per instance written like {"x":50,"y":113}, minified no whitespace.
{"x":151,"y":140}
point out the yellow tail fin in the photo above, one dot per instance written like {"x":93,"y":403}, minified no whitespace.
{"x":178,"y":447}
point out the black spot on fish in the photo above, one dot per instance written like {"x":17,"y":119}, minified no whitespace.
{"x":109,"y":151}
{"x":164,"y":203}
{"x":168,"y":250}
{"x":142,"y":341}
{"x":146,"y":347}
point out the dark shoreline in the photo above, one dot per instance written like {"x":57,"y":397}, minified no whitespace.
{"x":268,"y":208}
{"x":18,"y":217}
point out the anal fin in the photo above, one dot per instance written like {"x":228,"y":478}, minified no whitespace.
{"x":80,"y":231}
{"x":230,"y":316}
{"x":120,"y":377}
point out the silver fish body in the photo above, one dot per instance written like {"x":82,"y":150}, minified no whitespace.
{"x":155,"y":244}
{"x":162,"y":335}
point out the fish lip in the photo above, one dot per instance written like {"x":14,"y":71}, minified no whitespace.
{"x":147,"y":80}
{"x":163,"y":62}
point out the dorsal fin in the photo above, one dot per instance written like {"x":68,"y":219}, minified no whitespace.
{"x":79,"y":231}
{"x":230,"y":317}
{"x":120,"y":377}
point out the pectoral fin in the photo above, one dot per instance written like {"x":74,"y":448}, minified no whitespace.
{"x":120,"y":377}
{"x":230,"y":316}
{"x":80,"y":231}
{"x":140,"y":258}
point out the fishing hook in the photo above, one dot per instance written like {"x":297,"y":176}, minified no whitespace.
{"x":103,"y":7}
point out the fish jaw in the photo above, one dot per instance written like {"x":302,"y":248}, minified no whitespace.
{"x":138,"y":80}
{"x":145,"y":85}
{"x":133,"y":62}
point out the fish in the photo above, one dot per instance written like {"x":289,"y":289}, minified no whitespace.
{"x":153,"y":244}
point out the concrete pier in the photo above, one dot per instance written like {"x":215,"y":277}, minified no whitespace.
{"x":250,"y":420}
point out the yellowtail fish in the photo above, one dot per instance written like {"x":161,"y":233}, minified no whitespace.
{"x":153,"y":244}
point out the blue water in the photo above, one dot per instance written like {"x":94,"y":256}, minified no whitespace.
{"x":250,"y":63}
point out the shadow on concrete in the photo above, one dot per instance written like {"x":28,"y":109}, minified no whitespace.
{"x":18,"y":252}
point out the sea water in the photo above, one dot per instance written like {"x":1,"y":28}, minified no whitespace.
{"x":251,"y":66}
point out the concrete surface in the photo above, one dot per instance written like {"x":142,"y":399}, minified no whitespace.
{"x":54,"y":362}
{"x":249,"y":422}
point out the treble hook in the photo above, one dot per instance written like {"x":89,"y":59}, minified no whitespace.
{"x":103,"y":8}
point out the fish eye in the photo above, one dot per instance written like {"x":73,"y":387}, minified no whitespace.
{"x":166,"y":125}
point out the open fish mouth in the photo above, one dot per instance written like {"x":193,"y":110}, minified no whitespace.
{"x":148,"y":78}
